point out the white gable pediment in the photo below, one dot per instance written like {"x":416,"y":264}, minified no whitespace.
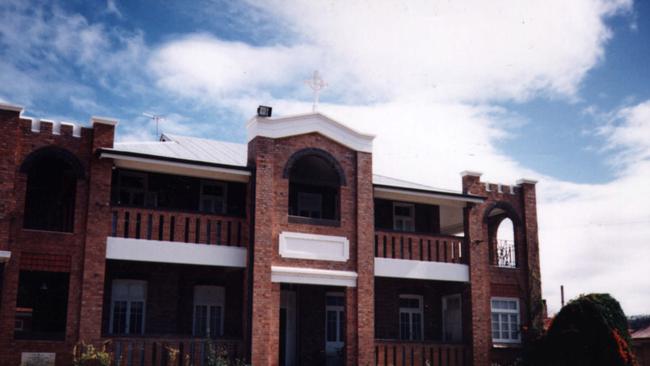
{"x":309,"y":123}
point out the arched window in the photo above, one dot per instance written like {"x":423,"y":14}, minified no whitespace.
{"x":505,"y":244}
{"x":502,"y":221}
{"x":52,"y":175}
{"x":315,"y":178}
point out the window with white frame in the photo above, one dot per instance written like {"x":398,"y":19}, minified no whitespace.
{"x":403,"y":216}
{"x":505,"y":320}
{"x":128,"y":305}
{"x":208,"y":311}
{"x":410,"y":317}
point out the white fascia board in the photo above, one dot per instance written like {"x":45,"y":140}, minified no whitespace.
{"x":174,"y":252}
{"x":5,"y":255}
{"x":313,"y":276}
{"x":104,"y":120}
{"x":11,"y":107}
{"x":423,"y":197}
{"x":421,"y":270}
{"x":172,"y":167}
{"x":315,"y":247}
{"x":309,"y":123}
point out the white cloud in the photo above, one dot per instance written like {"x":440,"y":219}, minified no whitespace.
{"x":207,"y":67}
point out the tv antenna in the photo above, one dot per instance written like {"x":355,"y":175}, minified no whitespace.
{"x":316,"y":83}
{"x":156,"y":117}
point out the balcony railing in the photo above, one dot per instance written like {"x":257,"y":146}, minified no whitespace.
{"x":196,"y":228}
{"x":171,"y":352}
{"x":389,"y":353}
{"x":506,"y":256}
{"x":421,"y":247}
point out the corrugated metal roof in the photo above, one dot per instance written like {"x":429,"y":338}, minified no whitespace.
{"x":190,"y":148}
{"x":229,"y":153}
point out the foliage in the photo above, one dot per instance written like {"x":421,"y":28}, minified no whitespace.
{"x":218,"y":356}
{"x":89,"y":355}
{"x":590,"y":330}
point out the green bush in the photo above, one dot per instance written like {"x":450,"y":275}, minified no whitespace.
{"x":590,"y":330}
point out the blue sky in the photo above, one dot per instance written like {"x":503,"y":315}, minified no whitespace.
{"x":552,"y":90}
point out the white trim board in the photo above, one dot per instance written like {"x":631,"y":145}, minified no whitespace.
{"x":161,"y":166}
{"x":5,"y":255}
{"x":404,"y":268}
{"x":174,"y":252}
{"x":312,"y":246}
{"x":309,"y":123}
{"x":313,"y":276}
{"x":424,"y":197}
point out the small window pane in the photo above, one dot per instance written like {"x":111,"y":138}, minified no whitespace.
{"x":404,"y":326}
{"x":119,"y":317}
{"x":417,"y":326}
{"x":331,"y":326}
{"x":135,"y":320}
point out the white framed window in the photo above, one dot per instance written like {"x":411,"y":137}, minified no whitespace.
{"x":310,"y":205}
{"x":410,"y":317}
{"x":208,"y":311}
{"x":505,"y":320}
{"x":128,"y":306}
{"x":334,"y":322}
{"x":452,"y":320}
{"x":213,"y":196}
{"x":403,"y":216}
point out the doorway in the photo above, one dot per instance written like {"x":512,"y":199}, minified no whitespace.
{"x":334,"y":328}
{"x":287,"y":328}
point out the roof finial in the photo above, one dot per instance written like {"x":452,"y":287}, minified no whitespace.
{"x":316,"y":84}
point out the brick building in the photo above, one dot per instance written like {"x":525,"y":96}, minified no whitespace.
{"x":286,"y":250}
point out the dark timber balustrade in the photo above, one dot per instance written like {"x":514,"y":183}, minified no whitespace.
{"x":420,"y":247}
{"x":406,"y":353}
{"x":196,"y":228}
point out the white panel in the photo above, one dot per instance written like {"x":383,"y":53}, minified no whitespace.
{"x":38,"y":358}
{"x":308,"y":123}
{"x":402,"y":268}
{"x":317,"y":247}
{"x":4,"y":256}
{"x":313,"y":276}
{"x":173,"y":252}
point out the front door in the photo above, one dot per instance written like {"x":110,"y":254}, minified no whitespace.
{"x":452,"y":329}
{"x":334,"y":328}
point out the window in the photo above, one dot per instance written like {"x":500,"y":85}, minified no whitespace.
{"x":208,"y":311}
{"x":176,"y":192}
{"x":213,"y":197}
{"x":41,"y":305}
{"x":128,"y":306}
{"x":133,"y":189}
{"x":403,"y":216}
{"x":50,"y":192}
{"x":506,"y":255}
{"x":314,"y":185}
{"x":452,"y":330}
{"x":410,"y":317}
{"x":505,"y":320}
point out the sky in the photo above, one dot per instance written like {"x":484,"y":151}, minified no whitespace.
{"x":552,"y":90}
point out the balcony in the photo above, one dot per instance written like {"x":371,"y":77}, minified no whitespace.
{"x":421,"y":256}
{"x":139,"y":234}
{"x":420,"y":247}
{"x":389,"y":352}
{"x":198,"y":228}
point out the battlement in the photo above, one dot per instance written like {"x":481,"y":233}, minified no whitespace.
{"x":58,"y":128}
{"x":471,"y":178}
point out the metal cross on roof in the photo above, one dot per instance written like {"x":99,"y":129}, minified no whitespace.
{"x":316,"y":83}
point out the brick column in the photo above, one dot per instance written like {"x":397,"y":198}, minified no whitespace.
{"x":476,"y":234}
{"x":536,"y":308}
{"x":98,"y":225}
{"x":365,"y":264}
{"x":265,"y":327}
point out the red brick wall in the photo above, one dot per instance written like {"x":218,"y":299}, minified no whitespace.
{"x":31,"y":249}
{"x":487,"y":280}
{"x":268,"y":157}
